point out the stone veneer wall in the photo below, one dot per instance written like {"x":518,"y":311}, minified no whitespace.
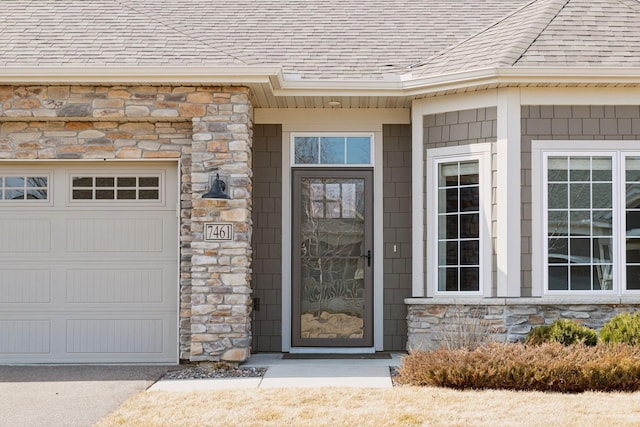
{"x":465,"y":127}
{"x":397,"y":233}
{"x":581,"y":122}
{"x":502,"y":320}
{"x":207,"y":129}
{"x":267,"y":237}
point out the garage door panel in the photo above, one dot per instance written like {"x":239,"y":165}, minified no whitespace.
{"x":24,"y":235}
{"x":94,"y":281}
{"x":115,"y":336}
{"x":26,"y":336}
{"x":124,"y":286}
{"x":20,"y":286}
{"x":141,"y":235}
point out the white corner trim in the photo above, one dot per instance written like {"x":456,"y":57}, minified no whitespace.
{"x":286,"y":242}
{"x":417,"y":199}
{"x":508,"y":206}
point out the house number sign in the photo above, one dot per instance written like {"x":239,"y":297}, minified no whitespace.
{"x":218,"y":231}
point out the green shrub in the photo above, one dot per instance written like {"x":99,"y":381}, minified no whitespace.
{"x":623,"y":328}
{"x":545,"y":367}
{"x":566,"y":332}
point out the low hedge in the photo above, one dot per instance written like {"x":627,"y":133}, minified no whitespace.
{"x":623,"y":328}
{"x":545,"y":367}
{"x":566,"y":332}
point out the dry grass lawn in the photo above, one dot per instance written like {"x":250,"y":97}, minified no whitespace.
{"x":399,"y":406}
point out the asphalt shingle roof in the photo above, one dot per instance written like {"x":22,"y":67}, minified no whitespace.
{"x":550,"y":33}
{"x":324,"y":39}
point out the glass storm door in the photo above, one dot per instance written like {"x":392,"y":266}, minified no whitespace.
{"x":332,"y":258}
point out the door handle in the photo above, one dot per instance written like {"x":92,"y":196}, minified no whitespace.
{"x":368,"y":257}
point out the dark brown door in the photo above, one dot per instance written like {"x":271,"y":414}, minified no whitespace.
{"x":332,"y":277}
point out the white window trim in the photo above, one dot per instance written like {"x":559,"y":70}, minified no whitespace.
{"x":30,"y":173}
{"x":369,"y":135}
{"x":540,"y":151}
{"x":481,"y":153}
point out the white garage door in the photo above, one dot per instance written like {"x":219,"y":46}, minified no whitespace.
{"x":88,"y":262}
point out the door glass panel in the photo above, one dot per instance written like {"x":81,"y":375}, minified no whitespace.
{"x":332,"y":236}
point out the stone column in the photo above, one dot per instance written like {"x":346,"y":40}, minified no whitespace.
{"x":221,"y":271}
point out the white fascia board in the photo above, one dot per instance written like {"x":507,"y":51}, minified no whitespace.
{"x":206,"y":75}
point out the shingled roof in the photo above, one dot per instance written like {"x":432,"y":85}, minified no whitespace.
{"x":373,"y":40}
{"x":328,"y":39}
{"x":549,"y":33}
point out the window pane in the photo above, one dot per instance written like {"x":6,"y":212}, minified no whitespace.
{"x":558,"y":224}
{"x":1,"y":193}
{"x":580,"y":278}
{"x":580,"y":223}
{"x":149,"y":181}
{"x":448,"y":176}
{"x":128,"y":181}
{"x":105,"y":181}
{"x":557,"y":169}
{"x":82,"y":181}
{"x":448,"y":279}
{"x":358,"y":150}
{"x":602,"y":250}
{"x":469,"y":199}
{"x":469,"y":279}
{"x":469,"y":173}
{"x":601,"y":169}
{"x":452,"y":200}
{"x":633,"y":223}
{"x":633,"y":277}
{"x":633,"y":251}
{"x":601,"y":196}
{"x":126,"y":194}
{"x":37,"y":181}
{"x":632,"y":169}
{"x":104,"y":194}
{"x":451,"y":226}
{"x":580,"y":251}
{"x":306,"y":150}
{"x":14,"y":194}
{"x":469,"y":225}
{"x":557,"y":196}
{"x":602,"y":223}
{"x":82,"y":194}
{"x":469,"y":252}
{"x":580,"y":196}
{"x":558,"y":251}
{"x":14,"y":181}
{"x":448,"y":253}
{"x":633,"y":196}
{"x":1,"y":181}
{"x":39,"y":194}
{"x":332,"y":150}
{"x":558,"y":278}
{"x":579,"y":168}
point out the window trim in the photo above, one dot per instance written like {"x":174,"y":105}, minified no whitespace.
{"x":540,"y":151}
{"x":292,"y":149}
{"x":26,"y":174}
{"x":70,"y":201}
{"x":480,"y":152}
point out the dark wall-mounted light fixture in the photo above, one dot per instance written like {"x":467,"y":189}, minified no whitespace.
{"x":217,"y":188}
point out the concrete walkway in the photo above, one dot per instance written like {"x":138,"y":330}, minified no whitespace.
{"x":365,"y":373}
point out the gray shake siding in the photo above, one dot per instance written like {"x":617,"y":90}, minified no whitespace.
{"x":397,"y":233}
{"x":455,"y":128}
{"x":267,"y":237}
{"x":549,"y":122}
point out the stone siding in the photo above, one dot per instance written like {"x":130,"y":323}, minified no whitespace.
{"x":565,"y":122}
{"x":499,"y":320}
{"x":207,"y":129}
{"x":397,"y":233}
{"x":267,"y":237}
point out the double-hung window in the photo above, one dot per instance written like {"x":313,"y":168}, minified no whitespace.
{"x":586,"y":217}
{"x":458,"y":214}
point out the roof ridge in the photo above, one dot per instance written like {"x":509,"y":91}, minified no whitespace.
{"x":471,"y":37}
{"x":174,"y":28}
{"x":559,"y":4}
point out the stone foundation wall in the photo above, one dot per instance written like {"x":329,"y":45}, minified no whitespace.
{"x":208,"y":129}
{"x":501,"y":320}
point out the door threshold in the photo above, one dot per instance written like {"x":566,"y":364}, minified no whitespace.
{"x":332,"y":350}
{"x":336,"y":356}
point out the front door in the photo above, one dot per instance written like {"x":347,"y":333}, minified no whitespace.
{"x":332,"y":293}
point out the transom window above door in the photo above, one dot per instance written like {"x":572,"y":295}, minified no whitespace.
{"x":332,"y":149}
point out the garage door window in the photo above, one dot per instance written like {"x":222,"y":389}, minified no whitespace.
{"x":22,"y":187}
{"x":115,"y":187}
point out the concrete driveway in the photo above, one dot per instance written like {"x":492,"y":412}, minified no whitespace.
{"x":69,"y":395}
